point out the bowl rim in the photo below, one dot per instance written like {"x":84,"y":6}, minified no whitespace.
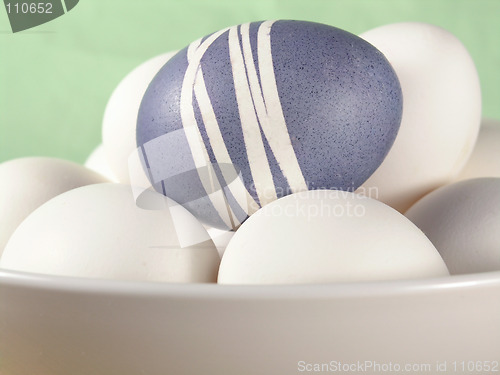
{"x":361,"y":289}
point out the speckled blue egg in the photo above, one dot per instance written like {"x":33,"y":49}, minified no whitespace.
{"x":257,"y":111}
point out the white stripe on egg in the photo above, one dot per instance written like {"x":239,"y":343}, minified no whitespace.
{"x":254,"y":144}
{"x":275,"y":128}
{"x":193,"y":135}
{"x":235,"y":186}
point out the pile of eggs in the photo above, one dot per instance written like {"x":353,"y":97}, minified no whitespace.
{"x":275,"y":152}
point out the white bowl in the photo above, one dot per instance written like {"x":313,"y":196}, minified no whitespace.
{"x":59,"y":326}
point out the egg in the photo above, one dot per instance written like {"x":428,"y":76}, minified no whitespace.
{"x":98,"y":162}
{"x":221,"y":238}
{"x":120,"y":115}
{"x":257,"y":111}
{"x":325,"y":236}
{"x":99,"y":231}
{"x":462,"y":221}
{"x":485,"y":158}
{"x":27,"y":183}
{"x":441,"y":112}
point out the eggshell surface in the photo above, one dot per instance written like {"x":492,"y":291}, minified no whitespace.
{"x":327,"y":236}
{"x":27,"y":183}
{"x":441,"y":112}
{"x":120,"y":116}
{"x":98,"y":162}
{"x":221,"y":238}
{"x":99,"y":231}
{"x":288,"y":105}
{"x":485,"y":158}
{"x":462,"y":220}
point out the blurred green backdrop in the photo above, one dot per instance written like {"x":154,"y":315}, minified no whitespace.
{"x":55,"y":79}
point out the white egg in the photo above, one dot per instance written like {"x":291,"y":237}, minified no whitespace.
{"x":463,"y":221}
{"x":98,"y":162}
{"x":441,"y":111}
{"x":27,"y":183}
{"x":324,"y":236}
{"x":485,"y":158}
{"x":120,"y":116}
{"x":99,"y":231}
{"x":221,"y":238}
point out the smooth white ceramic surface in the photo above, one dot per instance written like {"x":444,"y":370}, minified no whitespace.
{"x":60,"y":326}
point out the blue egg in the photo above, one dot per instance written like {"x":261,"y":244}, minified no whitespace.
{"x":257,"y":111}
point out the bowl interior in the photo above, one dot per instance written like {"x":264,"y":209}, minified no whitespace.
{"x":52,"y":325}
{"x":40,"y":282}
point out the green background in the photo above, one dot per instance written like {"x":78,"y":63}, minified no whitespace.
{"x":55,"y":79}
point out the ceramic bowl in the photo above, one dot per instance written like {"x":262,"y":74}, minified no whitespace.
{"x":58,"y":326}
